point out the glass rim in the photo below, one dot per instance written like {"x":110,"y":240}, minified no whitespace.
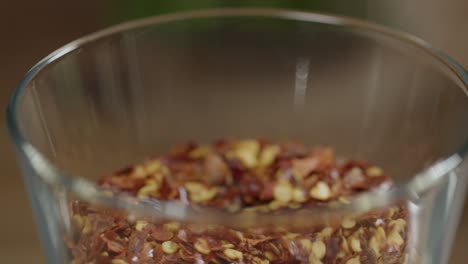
{"x":87,"y":190}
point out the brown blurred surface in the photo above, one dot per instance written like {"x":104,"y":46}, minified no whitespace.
{"x":32,"y":29}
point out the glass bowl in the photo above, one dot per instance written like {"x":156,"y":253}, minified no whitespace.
{"x":132,"y":91}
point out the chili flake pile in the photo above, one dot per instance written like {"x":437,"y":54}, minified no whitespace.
{"x":236,"y":175}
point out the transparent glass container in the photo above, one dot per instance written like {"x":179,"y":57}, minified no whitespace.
{"x":120,"y":95}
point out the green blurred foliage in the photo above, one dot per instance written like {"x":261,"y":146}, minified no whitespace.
{"x":122,"y":10}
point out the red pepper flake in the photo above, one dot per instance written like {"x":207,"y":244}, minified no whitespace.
{"x":233,"y":175}
{"x":160,"y":235}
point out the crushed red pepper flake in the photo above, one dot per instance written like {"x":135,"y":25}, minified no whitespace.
{"x":241,"y":175}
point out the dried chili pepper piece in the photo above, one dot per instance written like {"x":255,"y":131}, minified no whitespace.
{"x":242,"y":175}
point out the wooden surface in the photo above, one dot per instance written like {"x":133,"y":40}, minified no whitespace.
{"x":31,"y":29}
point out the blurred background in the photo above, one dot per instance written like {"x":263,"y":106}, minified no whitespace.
{"x":32,"y":29}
